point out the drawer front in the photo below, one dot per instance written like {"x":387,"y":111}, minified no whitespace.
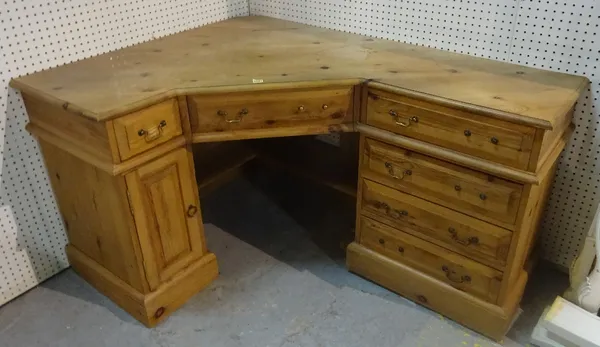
{"x":270,"y":109}
{"x":139,"y":131}
{"x":477,"y":194}
{"x":498,"y":141}
{"x":451,"y":268}
{"x":463,"y":234}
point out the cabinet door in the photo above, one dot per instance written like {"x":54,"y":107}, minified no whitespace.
{"x":164,"y":200}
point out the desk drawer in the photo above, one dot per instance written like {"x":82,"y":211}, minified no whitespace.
{"x":449,"y":267}
{"x":498,"y":141}
{"x":270,"y":109}
{"x":474,"y":193}
{"x":462,"y":234}
{"x":139,"y":131}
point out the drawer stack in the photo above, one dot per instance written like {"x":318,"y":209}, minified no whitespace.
{"x":438,"y":231}
{"x":419,"y":216}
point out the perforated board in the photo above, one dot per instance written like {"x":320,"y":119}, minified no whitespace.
{"x":36,"y":35}
{"x":555,"y":35}
{"x":564,"y":36}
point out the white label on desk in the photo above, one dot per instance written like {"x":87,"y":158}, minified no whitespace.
{"x":257,"y":80}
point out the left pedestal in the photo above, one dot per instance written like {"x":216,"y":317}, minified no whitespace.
{"x":136,"y":237}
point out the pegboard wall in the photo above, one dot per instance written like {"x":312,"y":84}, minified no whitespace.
{"x":36,"y":35}
{"x":555,"y":35}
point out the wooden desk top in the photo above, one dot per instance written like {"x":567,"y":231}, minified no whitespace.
{"x":239,"y":53}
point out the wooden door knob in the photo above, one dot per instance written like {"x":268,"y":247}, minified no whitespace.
{"x":192,"y":210}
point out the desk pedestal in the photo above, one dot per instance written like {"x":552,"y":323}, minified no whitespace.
{"x":138,"y":236}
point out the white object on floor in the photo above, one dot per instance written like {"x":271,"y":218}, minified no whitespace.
{"x":540,"y":336}
{"x":571,"y":324}
{"x":585,"y":285}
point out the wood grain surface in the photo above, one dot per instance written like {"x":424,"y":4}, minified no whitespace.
{"x":250,"y":53}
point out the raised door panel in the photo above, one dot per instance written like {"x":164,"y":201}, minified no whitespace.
{"x":165,"y":205}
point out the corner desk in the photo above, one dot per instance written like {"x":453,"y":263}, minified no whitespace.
{"x":456,"y":157}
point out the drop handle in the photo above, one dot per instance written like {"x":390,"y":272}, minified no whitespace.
{"x":381,"y":205}
{"x":153,"y":133}
{"x":391,"y":171}
{"x":237,"y":119}
{"x":452,"y":276}
{"x":473,"y":240}
{"x":396,"y":117}
{"x":397,"y":213}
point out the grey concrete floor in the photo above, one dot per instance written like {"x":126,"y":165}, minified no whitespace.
{"x":279,"y":242}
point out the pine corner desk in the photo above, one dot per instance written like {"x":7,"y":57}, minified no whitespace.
{"x":456,"y":157}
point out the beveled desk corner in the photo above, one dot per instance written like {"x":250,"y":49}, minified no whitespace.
{"x":456,"y":157}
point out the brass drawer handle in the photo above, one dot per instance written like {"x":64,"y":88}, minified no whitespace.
{"x":473,"y":240}
{"x":397,"y":213}
{"x":451,"y":275}
{"x":301,"y":108}
{"x":458,"y":188}
{"x":325,"y":106}
{"x":482,"y":196}
{"x":467,"y":132}
{"x":390,"y":167}
{"x":239,"y":118}
{"x":389,"y":211}
{"x":394,"y":114}
{"x":379,"y":204}
{"x":192,"y":210}
{"x":494,"y":140}
{"x":381,"y":241}
{"x":153,"y":133}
